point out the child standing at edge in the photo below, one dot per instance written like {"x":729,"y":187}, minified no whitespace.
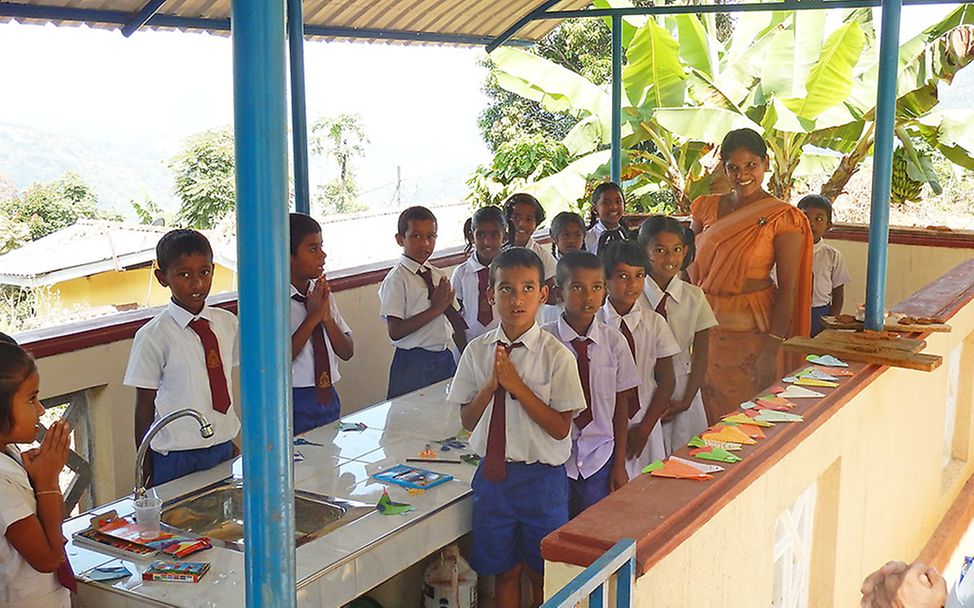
{"x":183,"y":358}
{"x":608,"y":375}
{"x":484,"y":233}
{"x":684,"y":306}
{"x":608,"y":207}
{"x":419,"y":308}
{"x":34,"y":570}
{"x":829,"y":272}
{"x":652,"y":344}
{"x":567,"y":233}
{"x":518,"y":389}
{"x":319,"y":334}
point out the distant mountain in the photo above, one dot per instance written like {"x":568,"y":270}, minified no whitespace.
{"x":119,"y":172}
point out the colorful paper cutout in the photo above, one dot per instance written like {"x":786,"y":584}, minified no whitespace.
{"x":696,"y":442}
{"x":774,"y":416}
{"x":653,"y":466}
{"x":700,"y":466}
{"x":816,"y":382}
{"x":387,"y":507}
{"x":798,"y":392}
{"x":747,"y":405}
{"x":739,"y":418}
{"x":715,"y":454}
{"x":753,"y":429}
{"x":776,"y":402}
{"x":826,"y":361}
{"x":677,"y":470}
{"x":813,"y":372}
{"x":728,"y":434}
{"x":835,"y":371}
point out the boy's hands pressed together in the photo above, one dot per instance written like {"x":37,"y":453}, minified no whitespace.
{"x":505,"y":373}
{"x":443,"y":296}
{"x":43,"y":464}
{"x":318,"y":303}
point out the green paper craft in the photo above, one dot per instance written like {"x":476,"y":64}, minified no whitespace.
{"x":653,"y":466}
{"x":387,"y":507}
{"x":718,"y":455}
{"x":696,"y":442}
{"x":776,"y":416}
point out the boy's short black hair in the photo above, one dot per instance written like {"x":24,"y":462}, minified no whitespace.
{"x":301,"y":226}
{"x":575,"y":260}
{"x":816,"y":201}
{"x":623,"y":252}
{"x":413,"y":214}
{"x":514,"y":257}
{"x":16,"y":365}
{"x":5,"y":339}
{"x":181,"y":241}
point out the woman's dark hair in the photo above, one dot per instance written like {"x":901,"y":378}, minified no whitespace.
{"x":593,"y":213}
{"x":16,"y":365}
{"x":664,"y":223}
{"x":490,"y":213}
{"x":559,"y":222}
{"x":521,"y":198}
{"x":743,"y":139}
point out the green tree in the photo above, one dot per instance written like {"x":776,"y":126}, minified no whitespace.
{"x":343,"y":139}
{"x":521,"y":160}
{"x":203,"y":173}
{"x":47,"y":208}
{"x":147,"y":211}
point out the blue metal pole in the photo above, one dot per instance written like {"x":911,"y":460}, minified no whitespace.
{"x":617,"y":98}
{"x":299,"y":113}
{"x":889,"y":43}
{"x":260,"y":128}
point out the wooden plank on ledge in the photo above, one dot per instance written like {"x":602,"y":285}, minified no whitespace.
{"x":863,"y":340}
{"x":850,"y":352}
{"x":834,"y":323}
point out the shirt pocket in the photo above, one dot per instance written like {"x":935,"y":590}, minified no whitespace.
{"x":603,"y":384}
{"x":540,"y":388}
{"x":682,"y":364}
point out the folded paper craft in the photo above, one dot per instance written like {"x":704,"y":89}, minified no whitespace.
{"x":736,"y":419}
{"x":835,"y":371}
{"x":715,"y":454}
{"x":799,"y":392}
{"x":813,"y":372}
{"x":773,"y":416}
{"x":811,"y":382}
{"x":656,"y":464}
{"x":387,"y":507}
{"x":747,"y":405}
{"x":700,"y":466}
{"x":775,"y":402}
{"x":696,"y":442}
{"x":676,"y":470}
{"x":728,"y":434}
{"x":826,"y":361}
{"x":753,"y":429}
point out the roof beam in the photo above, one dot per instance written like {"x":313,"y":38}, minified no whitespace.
{"x":535,"y":14}
{"x":140,"y":18}
{"x":121,"y":19}
{"x":675,"y":9}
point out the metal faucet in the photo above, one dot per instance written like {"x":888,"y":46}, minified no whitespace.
{"x":206,"y":431}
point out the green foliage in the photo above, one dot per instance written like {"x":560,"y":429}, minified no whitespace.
{"x":47,"y":208}
{"x":342,"y":138}
{"x":203,"y":173}
{"x":147,"y":211}
{"x":527,"y":158}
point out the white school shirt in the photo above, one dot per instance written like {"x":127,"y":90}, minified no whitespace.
{"x":547,"y":259}
{"x":592,"y":236}
{"x":611,"y":370}
{"x":403,"y":294}
{"x":303,"y":366}
{"x":466,"y":284}
{"x":167,"y":356}
{"x":20,"y":585}
{"x":687,"y":312}
{"x":547,"y":368}
{"x":828,"y":272}
{"x":654,"y":341}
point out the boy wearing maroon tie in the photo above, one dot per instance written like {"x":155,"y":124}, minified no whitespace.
{"x":183,"y":358}
{"x":319,"y":334}
{"x":518,"y":389}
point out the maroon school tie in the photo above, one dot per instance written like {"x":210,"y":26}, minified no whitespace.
{"x":661,"y":307}
{"x":323,"y":388}
{"x":581,"y":349}
{"x":495,"y":462}
{"x":452,"y":314}
{"x":634,"y":398}
{"x":485,"y":314}
{"x":219,"y":394}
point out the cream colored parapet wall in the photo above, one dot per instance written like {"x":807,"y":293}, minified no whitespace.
{"x":882,"y":485}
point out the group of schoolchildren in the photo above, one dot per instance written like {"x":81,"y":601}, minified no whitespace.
{"x":573,"y":367}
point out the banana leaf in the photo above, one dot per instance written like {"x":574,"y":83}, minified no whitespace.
{"x":830,"y":80}
{"x":654,"y":77}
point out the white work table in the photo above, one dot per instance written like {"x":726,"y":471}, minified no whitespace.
{"x":343,"y":564}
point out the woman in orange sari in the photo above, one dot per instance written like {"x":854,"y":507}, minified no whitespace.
{"x":741,"y":236}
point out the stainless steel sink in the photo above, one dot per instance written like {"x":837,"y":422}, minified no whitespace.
{"x":217,"y":510}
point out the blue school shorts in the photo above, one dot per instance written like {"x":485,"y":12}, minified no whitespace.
{"x":179,"y":463}
{"x":511,"y":517}
{"x":583,"y":493}
{"x":817,"y":313}
{"x":414,"y":368}
{"x":309,"y":413}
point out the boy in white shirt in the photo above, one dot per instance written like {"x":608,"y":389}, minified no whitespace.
{"x":183,"y":358}
{"x":518,"y":389}
{"x":420,"y":309}
{"x":608,"y":374}
{"x":319,"y":334}
{"x":652,"y":343}
{"x":829,"y":272}
{"x":484,"y":232}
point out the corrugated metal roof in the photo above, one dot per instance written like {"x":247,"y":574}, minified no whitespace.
{"x":443,"y":21}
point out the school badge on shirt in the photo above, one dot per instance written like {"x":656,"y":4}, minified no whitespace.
{"x":324,"y":380}
{"x":213,"y":359}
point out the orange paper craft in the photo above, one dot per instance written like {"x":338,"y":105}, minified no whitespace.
{"x":678,"y":470}
{"x":775,"y":403}
{"x":752,"y":431}
{"x":729,"y":434}
{"x":834,"y":371}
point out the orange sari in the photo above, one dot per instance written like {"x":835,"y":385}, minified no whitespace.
{"x":731,"y":250}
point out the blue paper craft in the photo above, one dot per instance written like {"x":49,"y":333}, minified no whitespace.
{"x":412,"y":477}
{"x":826,"y":361}
{"x":775,"y":416}
{"x":810,"y":372}
{"x":351,"y":426}
{"x":109,"y":573}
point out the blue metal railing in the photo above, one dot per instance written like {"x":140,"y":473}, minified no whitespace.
{"x":620,"y":561}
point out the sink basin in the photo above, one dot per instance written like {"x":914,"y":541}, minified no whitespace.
{"x":216,"y":511}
